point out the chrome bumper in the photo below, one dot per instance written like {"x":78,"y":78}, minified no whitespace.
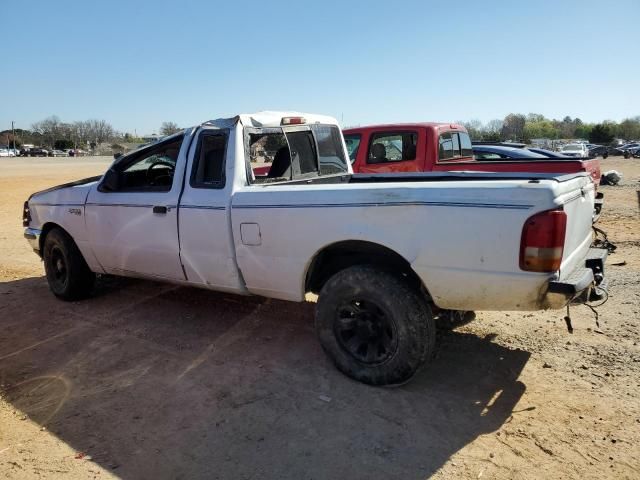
{"x":33,"y":237}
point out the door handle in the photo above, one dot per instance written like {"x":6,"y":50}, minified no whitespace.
{"x":159,"y":209}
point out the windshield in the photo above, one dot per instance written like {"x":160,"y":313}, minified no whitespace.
{"x":353,"y":142}
{"x":572,"y":148}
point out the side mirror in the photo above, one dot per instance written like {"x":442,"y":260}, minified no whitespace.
{"x":110,"y":182}
{"x":117,"y":155}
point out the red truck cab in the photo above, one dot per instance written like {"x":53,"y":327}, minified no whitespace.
{"x":418,"y":147}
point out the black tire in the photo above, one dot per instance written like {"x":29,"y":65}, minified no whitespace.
{"x":67,"y":273}
{"x":375,"y":325}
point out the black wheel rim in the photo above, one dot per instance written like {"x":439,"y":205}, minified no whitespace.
{"x":58,"y":271}
{"x":365,"y":331}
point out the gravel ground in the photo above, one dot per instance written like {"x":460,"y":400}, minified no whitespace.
{"x":146,"y":380}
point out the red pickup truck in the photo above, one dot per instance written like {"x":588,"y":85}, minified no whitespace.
{"x":427,"y":147}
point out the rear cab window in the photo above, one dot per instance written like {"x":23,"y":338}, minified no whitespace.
{"x":280,"y":154}
{"x":454,"y":146}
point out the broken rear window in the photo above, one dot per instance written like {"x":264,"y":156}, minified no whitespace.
{"x":278,"y":154}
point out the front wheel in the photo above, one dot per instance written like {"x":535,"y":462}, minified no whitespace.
{"x":375,"y":325}
{"x":67,"y":273}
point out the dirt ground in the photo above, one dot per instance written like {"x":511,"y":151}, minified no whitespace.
{"x":146,"y":380}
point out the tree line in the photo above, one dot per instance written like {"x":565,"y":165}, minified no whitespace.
{"x":523,"y":128}
{"x":54,"y":133}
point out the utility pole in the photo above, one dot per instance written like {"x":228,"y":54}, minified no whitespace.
{"x":13,"y":135}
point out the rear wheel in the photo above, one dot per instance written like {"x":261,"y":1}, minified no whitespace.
{"x":375,"y":326}
{"x":67,"y":273}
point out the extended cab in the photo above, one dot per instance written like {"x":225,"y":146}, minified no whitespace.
{"x":384,"y":254}
{"x":443,"y":147}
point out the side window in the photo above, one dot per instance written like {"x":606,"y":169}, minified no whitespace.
{"x":392,"y":147}
{"x":151,"y":169}
{"x":209,"y":161}
{"x":353,"y":142}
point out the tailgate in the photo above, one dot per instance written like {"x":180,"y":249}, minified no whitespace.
{"x":577,"y":198}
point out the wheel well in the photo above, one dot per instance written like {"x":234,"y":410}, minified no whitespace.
{"x":341,"y":255}
{"x":46,"y":228}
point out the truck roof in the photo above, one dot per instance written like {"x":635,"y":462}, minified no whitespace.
{"x":453,"y":125}
{"x":269,"y":119}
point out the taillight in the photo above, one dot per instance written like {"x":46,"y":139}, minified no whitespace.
{"x":542,"y":242}
{"x":26,"y":215}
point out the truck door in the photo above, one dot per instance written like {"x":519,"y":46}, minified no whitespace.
{"x":132,"y":223}
{"x":206,"y":242}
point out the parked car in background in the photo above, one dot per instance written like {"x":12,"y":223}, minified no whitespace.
{"x":575,"y":150}
{"x":4,"y":152}
{"x":598,"y":150}
{"x":547,"y":153}
{"x":630,"y":146}
{"x":38,"y":152}
{"x":57,"y":153}
{"x":500,"y":152}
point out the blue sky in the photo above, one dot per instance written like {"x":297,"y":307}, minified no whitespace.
{"x":139,"y":63}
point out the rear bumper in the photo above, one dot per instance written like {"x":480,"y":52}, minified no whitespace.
{"x":580,"y":285}
{"x":33,"y":237}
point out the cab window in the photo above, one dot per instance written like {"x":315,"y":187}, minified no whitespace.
{"x":388,"y":147}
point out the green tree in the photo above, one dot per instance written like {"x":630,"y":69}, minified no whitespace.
{"x":601,"y":134}
{"x":582,"y":131}
{"x":540,"y":129}
{"x":629,"y":129}
{"x":63,"y":144}
{"x":474,"y":128}
{"x":513,"y":127}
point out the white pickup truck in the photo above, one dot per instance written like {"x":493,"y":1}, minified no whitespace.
{"x":385,"y":253}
